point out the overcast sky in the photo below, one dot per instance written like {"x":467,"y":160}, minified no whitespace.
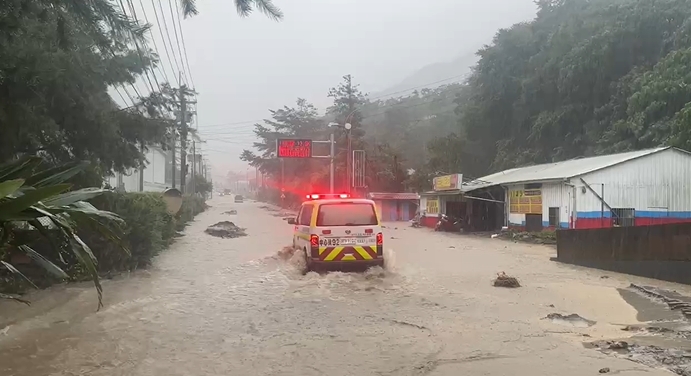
{"x":242,"y":67}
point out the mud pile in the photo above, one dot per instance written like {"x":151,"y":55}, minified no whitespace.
{"x":504,"y":280}
{"x":225,"y":229}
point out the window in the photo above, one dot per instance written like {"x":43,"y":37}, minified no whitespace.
{"x":554,"y":217}
{"x":623,"y":217}
{"x":349,"y":214}
{"x":305,"y":217}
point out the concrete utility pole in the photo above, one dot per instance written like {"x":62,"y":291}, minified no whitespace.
{"x":194,"y":166}
{"x":172,"y":149}
{"x":141,"y":171}
{"x":183,"y":137}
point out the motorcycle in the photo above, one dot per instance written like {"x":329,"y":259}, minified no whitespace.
{"x":448,"y":223}
{"x":416,"y":221}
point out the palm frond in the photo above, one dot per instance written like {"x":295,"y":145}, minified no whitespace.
{"x":269,"y":9}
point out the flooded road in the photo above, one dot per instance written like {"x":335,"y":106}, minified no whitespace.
{"x":215,"y":306}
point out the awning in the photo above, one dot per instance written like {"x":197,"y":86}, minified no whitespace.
{"x":393,"y":196}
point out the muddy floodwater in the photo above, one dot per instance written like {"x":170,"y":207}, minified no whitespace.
{"x":238,"y":306}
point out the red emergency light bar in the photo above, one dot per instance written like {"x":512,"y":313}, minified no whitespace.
{"x":317,"y":196}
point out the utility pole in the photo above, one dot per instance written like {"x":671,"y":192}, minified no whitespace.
{"x":331,"y":164}
{"x":172,"y":148}
{"x":183,"y":137}
{"x":141,"y":170}
{"x":194,"y":166}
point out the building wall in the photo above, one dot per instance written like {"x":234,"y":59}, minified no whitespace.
{"x":154,"y":174}
{"x":657,"y":186}
{"x":554,"y":195}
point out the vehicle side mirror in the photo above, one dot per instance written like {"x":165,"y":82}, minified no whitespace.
{"x":291,"y":221}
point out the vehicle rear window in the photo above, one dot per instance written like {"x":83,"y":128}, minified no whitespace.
{"x":347,"y":214}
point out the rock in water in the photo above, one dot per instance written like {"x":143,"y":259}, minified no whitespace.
{"x":504,"y":280}
{"x":225,"y":229}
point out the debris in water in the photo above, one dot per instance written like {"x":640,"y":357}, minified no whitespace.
{"x":286,"y":253}
{"x":618,"y":345}
{"x":231,"y":212}
{"x":604,"y":370}
{"x":225,"y":229}
{"x":572,"y":319}
{"x":504,"y":280}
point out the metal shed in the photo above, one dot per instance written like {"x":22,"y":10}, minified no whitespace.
{"x":627,"y":189}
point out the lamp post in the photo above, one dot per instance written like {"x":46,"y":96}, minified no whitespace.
{"x":347,"y":126}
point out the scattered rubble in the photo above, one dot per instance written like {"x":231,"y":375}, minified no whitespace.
{"x":543,"y":237}
{"x":572,"y":319}
{"x":604,"y":370}
{"x":225,"y":229}
{"x":675,"y":360}
{"x":231,"y":212}
{"x":673,"y":299}
{"x":504,"y":280}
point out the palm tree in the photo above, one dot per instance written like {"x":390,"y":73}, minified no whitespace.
{"x":244,"y":7}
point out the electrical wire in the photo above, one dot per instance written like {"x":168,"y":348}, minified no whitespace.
{"x":184,"y":47}
{"x":136,"y":44}
{"x":175,"y":29}
{"x":165,"y":24}
{"x":153,"y":40}
{"x":219,"y":125}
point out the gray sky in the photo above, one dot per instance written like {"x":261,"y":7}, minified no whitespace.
{"x":244,"y":66}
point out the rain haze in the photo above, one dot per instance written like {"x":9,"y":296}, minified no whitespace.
{"x":244,"y":67}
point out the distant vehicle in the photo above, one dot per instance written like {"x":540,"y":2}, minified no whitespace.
{"x":226,"y":192}
{"x":336,"y":232}
{"x":239,"y":199}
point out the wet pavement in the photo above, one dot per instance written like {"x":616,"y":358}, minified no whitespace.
{"x":235,"y":306}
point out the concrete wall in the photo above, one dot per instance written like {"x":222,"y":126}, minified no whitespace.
{"x":657,"y":186}
{"x":657,"y":251}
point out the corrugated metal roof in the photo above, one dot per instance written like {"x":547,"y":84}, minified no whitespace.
{"x":558,"y":170}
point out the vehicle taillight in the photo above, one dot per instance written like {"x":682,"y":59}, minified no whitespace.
{"x":314,"y":240}
{"x":380,"y":239}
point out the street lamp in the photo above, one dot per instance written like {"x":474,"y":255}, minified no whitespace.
{"x":347,"y":126}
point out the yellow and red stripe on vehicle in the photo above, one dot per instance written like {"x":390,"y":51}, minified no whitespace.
{"x":348,"y":253}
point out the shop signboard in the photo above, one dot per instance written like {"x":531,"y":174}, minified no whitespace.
{"x":432,"y":207}
{"x":525,"y":201}
{"x":447,"y":182}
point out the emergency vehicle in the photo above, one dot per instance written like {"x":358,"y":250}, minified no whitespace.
{"x":337,"y":232}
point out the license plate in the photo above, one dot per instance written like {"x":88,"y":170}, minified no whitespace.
{"x":348,"y":241}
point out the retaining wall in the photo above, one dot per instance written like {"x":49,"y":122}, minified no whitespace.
{"x":656,"y":251}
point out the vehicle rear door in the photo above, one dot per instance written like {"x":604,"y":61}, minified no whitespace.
{"x":302,"y":227}
{"x":347,"y":231}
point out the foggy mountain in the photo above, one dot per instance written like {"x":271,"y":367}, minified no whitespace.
{"x":432,"y":75}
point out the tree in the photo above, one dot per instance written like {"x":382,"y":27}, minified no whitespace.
{"x":583,"y":78}
{"x":300,"y":175}
{"x":244,"y":8}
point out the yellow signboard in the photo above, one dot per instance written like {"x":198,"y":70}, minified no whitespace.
{"x":527,"y":201}
{"x":447,"y":182}
{"x":432,"y":206}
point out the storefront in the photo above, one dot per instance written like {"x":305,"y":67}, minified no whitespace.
{"x":395,"y":206}
{"x":445,"y":198}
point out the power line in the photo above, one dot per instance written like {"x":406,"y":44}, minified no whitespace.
{"x":247,"y":122}
{"x":153,"y":40}
{"x":165,"y":24}
{"x":184,"y":47}
{"x":136,"y":44}
{"x":175,"y":29}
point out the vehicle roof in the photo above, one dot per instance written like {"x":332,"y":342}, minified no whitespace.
{"x":339,"y":200}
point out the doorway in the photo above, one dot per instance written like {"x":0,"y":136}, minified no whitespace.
{"x":533,"y":222}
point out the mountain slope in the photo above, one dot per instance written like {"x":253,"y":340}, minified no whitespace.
{"x":432,"y":75}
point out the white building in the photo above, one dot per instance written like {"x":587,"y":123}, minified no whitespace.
{"x":643,"y":187}
{"x":154,"y":174}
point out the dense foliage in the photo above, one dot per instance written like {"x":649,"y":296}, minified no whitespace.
{"x":584,"y":78}
{"x":40,"y":206}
